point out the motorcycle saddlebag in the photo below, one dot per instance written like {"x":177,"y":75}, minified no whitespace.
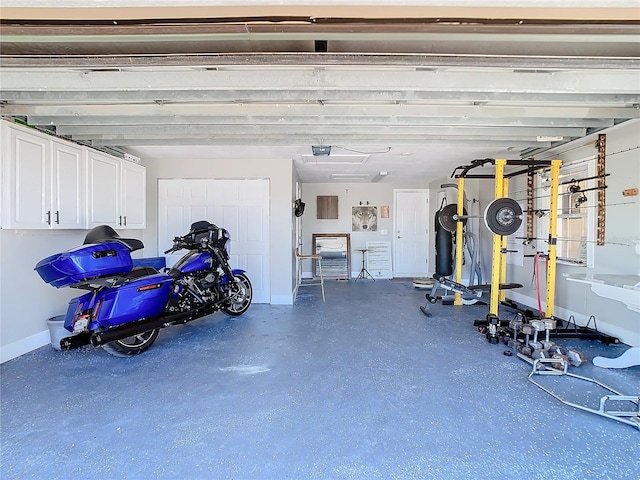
{"x":85,"y":262}
{"x":142,"y":298}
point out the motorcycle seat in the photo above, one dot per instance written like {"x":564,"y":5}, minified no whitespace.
{"x":104,"y":233}
{"x":139,"y":272}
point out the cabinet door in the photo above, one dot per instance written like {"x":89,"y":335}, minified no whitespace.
{"x":27,"y":176}
{"x":68,"y":206}
{"x":103,"y":189}
{"x":133,"y":200}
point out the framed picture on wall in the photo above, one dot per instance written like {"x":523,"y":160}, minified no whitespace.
{"x":327,"y":207}
{"x":364,"y":219}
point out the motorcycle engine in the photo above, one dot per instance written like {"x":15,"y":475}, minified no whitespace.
{"x":194,"y":291}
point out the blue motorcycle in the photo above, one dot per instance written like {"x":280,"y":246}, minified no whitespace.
{"x":127,"y":306}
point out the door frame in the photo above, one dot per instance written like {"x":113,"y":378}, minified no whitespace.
{"x":395,"y":218}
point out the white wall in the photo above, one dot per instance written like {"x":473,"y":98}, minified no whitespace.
{"x":296,"y":192}
{"x":279,"y":173}
{"x":349,"y":195}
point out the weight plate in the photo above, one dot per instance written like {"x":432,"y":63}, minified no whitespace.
{"x":576,"y":358}
{"x":562,"y":360}
{"x":446,"y":217}
{"x":503,"y":216}
{"x":469,"y":301}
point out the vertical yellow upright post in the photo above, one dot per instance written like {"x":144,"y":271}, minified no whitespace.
{"x":502,"y":294}
{"x":553,"y":237}
{"x":496,"y":256}
{"x":459,"y":238}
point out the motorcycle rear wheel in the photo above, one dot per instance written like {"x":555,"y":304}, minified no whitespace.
{"x":240,"y":296}
{"x":132,"y":345}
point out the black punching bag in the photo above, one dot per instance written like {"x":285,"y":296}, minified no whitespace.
{"x":444,"y":249}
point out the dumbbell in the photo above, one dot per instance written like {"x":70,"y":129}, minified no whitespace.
{"x":562,"y":361}
{"x":526,"y":349}
{"x":538,"y":326}
{"x":576,"y":358}
{"x":553,"y":349}
{"x":539,"y":353}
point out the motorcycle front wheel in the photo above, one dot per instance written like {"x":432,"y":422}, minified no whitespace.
{"x":240,"y":295}
{"x":132,"y":345}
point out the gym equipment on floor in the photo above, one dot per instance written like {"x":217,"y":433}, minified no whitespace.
{"x":629,"y":416}
{"x":469,"y":295}
{"x":444,"y":248}
{"x":503,"y":217}
{"x":563,"y":328}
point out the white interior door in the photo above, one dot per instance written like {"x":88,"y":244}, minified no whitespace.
{"x":411,"y":233}
{"x":240,"y":206}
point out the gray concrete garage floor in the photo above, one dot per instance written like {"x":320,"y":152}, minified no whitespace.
{"x":363,"y":386}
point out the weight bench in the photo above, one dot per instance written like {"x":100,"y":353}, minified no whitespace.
{"x":469,"y":295}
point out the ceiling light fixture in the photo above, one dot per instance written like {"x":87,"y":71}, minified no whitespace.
{"x":379,"y":176}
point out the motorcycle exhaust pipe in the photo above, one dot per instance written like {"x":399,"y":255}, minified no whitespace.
{"x":135,"y":328}
{"x":130,"y":329}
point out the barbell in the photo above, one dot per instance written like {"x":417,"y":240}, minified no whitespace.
{"x":503,"y":216}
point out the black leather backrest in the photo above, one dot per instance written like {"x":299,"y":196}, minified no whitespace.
{"x":104,"y":233}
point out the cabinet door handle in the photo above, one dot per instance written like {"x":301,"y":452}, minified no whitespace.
{"x":58,"y":217}
{"x":120,"y":220}
{"x":49,"y":217}
{"x":125,"y":220}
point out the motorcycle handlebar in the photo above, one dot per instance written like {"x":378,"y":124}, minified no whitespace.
{"x":180,"y":242}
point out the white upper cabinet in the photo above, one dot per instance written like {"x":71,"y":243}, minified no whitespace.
{"x":103,"y":189}
{"x":43,"y":180}
{"x":117,"y":192}
{"x":133,"y":180}
{"x":48,"y":182}
{"x":68,"y":194}
{"x":26,"y":166}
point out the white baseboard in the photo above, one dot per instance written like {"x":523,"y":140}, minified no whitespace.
{"x":625,"y":336}
{"x":26,"y":345}
{"x":282,"y":299}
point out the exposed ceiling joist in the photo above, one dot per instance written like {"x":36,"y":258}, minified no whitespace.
{"x":122,"y":120}
{"x":320,"y":111}
{"x":512,"y":145}
{"x":436,"y":89}
{"x":313,"y":79}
